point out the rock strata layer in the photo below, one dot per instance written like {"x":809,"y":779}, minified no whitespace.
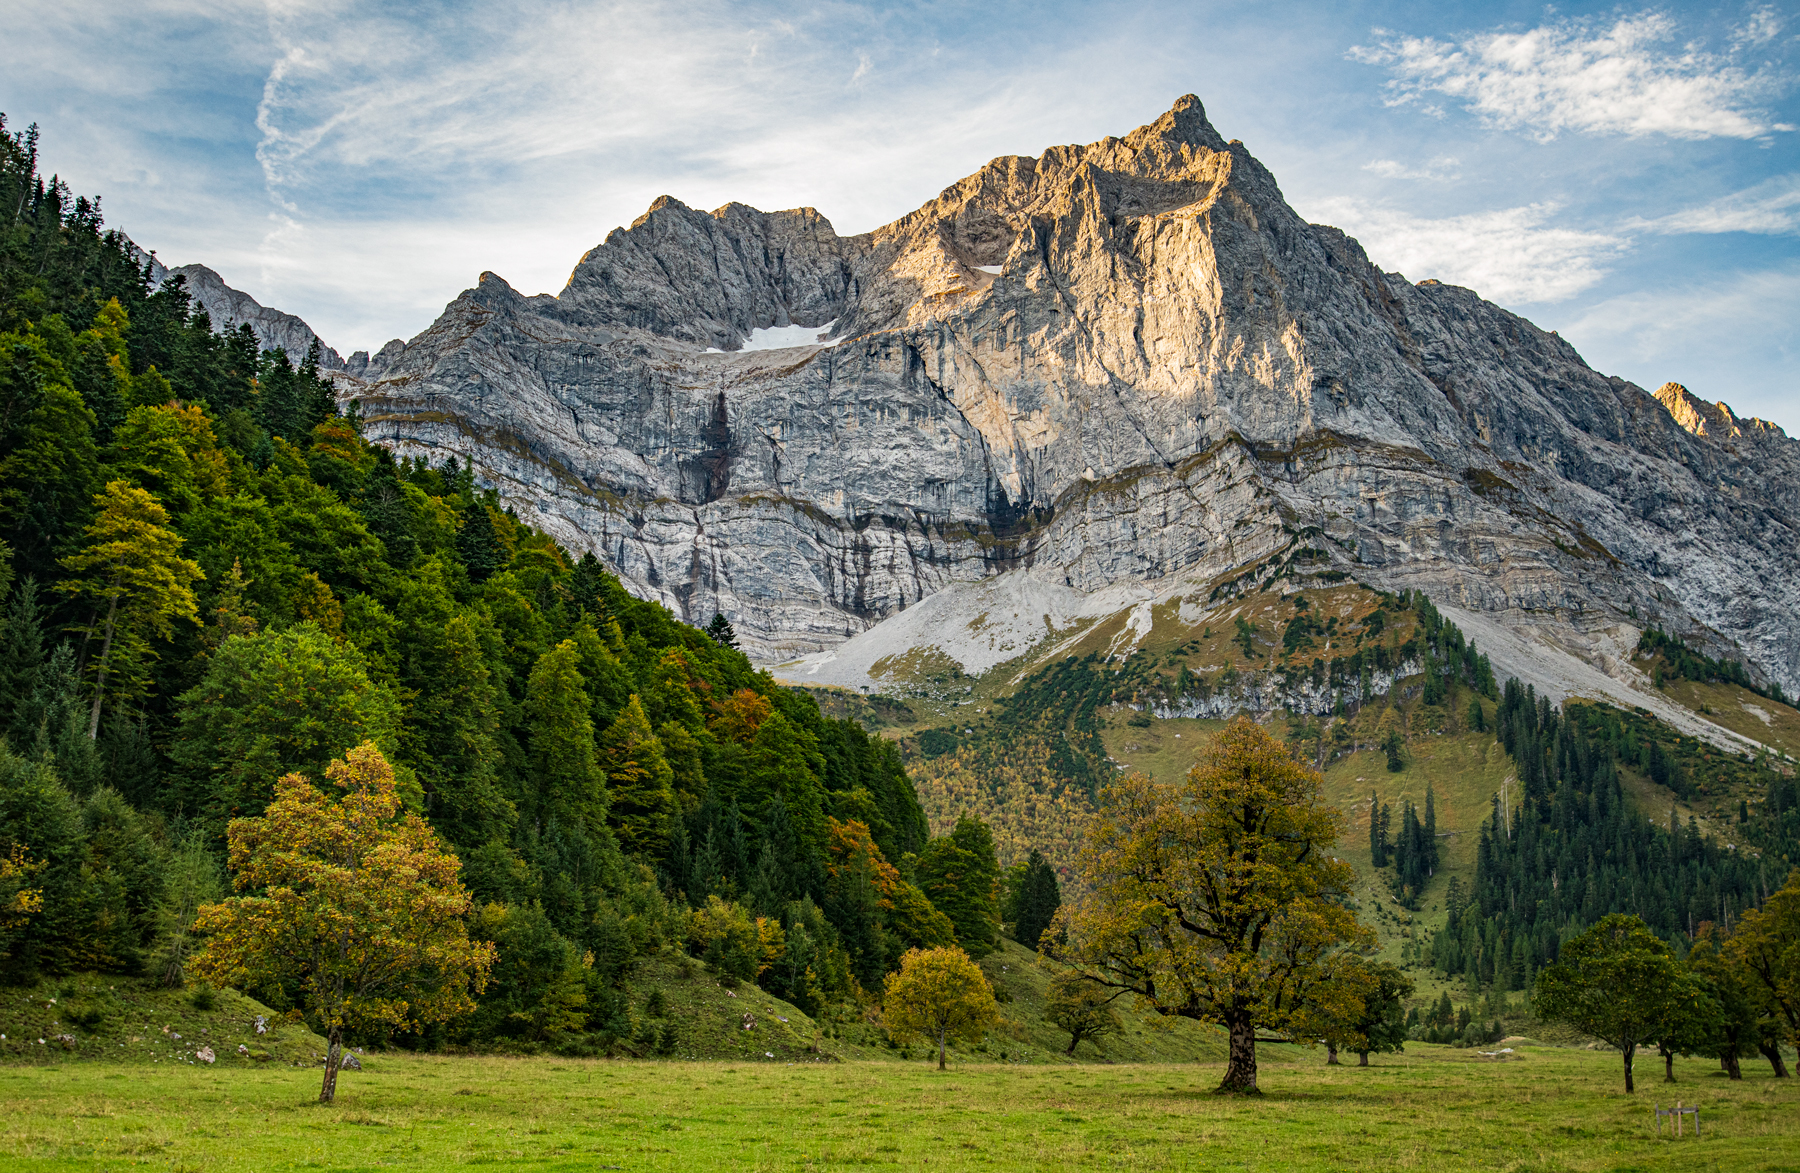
{"x":1111,"y":363}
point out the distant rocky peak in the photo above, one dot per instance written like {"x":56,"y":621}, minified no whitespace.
{"x":1715,"y":421}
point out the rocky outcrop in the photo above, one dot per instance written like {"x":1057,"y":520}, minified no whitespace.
{"x":1123,"y":362}
{"x":230,"y":308}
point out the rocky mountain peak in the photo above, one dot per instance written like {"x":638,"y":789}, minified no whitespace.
{"x":1714,"y":421}
{"x":1121,"y":367}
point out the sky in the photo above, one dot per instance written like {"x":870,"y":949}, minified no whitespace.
{"x":1627,"y":175}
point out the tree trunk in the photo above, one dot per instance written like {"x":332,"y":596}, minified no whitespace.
{"x":941,"y":1035}
{"x":112,"y":614}
{"x":333,"y":1053}
{"x":1362,"y":1058}
{"x":1331,"y":1059}
{"x":1074,"y":1041}
{"x":1240,"y":1070}
{"x":1668,"y":1062}
{"x":1730,"y":1063}
{"x":1629,"y":1050}
{"x":1773,"y":1055}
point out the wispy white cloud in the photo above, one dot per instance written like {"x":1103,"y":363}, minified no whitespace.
{"x":1631,"y":77}
{"x":1771,"y":208}
{"x":1732,"y":337}
{"x":1763,"y":26}
{"x":1441,"y":168}
{"x":1512,"y":255}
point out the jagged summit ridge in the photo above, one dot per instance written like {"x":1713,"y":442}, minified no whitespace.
{"x":1124,"y":362}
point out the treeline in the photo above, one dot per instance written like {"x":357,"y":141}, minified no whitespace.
{"x":1684,"y":663}
{"x":211,"y":579}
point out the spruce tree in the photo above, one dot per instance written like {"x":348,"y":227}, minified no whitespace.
{"x":721,"y":631}
{"x":1430,"y":842}
{"x":1040,"y":895}
{"x":477,"y":543}
{"x":567,"y":784}
{"x":958,"y":873}
{"x":1377,"y":833}
{"x":21,"y":653}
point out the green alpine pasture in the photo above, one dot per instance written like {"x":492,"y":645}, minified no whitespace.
{"x":1431,"y":1108}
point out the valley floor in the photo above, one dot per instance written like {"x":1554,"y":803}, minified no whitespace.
{"x":1432,"y":1108}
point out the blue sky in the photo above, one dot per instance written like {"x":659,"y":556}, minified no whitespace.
{"x":1627,"y":175}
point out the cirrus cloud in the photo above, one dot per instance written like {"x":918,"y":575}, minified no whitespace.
{"x":1631,"y":77}
{"x":1511,"y":255}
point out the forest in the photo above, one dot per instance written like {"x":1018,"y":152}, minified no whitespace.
{"x":211,"y":580}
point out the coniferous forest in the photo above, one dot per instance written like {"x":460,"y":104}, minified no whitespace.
{"x":211,"y":580}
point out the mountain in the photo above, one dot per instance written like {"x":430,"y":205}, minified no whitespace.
{"x":229,"y":308}
{"x":1112,"y":379}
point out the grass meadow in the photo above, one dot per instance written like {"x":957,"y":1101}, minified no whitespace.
{"x":1431,"y":1108}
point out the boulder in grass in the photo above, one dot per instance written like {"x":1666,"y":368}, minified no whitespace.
{"x":205,"y":1055}
{"x":350,"y":1063}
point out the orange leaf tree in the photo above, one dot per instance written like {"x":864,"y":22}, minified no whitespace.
{"x":358,"y":902}
{"x":1217,"y":898}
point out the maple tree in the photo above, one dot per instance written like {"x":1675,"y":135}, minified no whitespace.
{"x":1217,"y":898}
{"x":941,"y":994}
{"x":1620,"y":983}
{"x":1766,"y":947}
{"x":352,"y":898}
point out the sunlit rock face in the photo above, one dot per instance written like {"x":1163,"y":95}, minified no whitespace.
{"x":1117,"y":362}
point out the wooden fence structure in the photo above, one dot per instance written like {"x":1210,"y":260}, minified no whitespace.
{"x":1677,"y":1112}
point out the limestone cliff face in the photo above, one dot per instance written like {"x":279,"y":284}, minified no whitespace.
{"x":1117,"y":362}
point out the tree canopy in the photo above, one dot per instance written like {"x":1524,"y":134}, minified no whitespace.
{"x":1620,"y":983}
{"x":940,"y":994}
{"x":1217,"y":898}
{"x":352,"y":898}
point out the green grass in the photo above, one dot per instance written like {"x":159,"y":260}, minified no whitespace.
{"x":1432,"y":1108}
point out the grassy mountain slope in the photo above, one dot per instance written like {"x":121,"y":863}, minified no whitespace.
{"x":135,"y":1020}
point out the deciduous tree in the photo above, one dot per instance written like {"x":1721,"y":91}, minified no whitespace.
{"x":1766,"y":945}
{"x":940,"y":994}
{"x":1619,"y":983}
{"x":1082,"y":1007}
{"x":269,"y":704}
{"x":1217,"y":899}
{"x":136,"y":582}
{"x":351,"y":898}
